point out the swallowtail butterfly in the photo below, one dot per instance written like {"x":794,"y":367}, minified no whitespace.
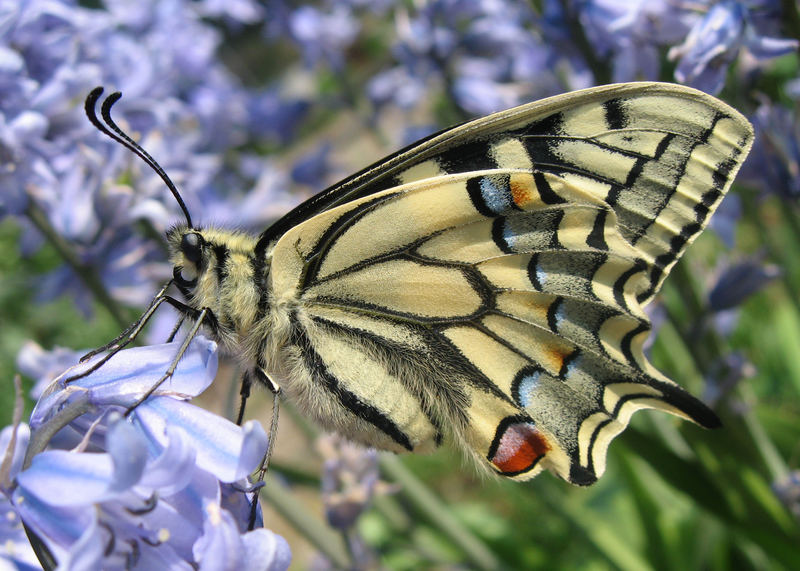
{"x":484,"y":286}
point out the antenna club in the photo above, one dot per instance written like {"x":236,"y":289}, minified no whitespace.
{"x":114,"y":132}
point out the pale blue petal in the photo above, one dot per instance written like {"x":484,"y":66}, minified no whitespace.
{"x":58,"y":526}
{"x":131,"y":373}
{"x":190,"y":501}
{"x":63,"y":478}
{"x":173,"y":469}
{"x":128,"y":452}
{"x":223,"y":449}
{"x":265,"y":551}
{"x":86,"y":554}
{"x":220,"y":547}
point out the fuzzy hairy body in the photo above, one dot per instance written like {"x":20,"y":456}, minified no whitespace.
{"x":485,"y":286}
{"x":228,"y":285}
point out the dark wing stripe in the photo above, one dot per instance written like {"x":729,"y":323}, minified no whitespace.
{"x":619,"y":285}
{"x":597,"y":238}
{"x":546,"y":192}
{"x":346,"y":398}
{"x":317,"y":256}
{"x":394,"y":355}
{"x":616,"y":117}
{"x":498,"y":235}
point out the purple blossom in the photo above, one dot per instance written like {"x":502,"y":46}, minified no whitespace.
{"x":52,"y":52}
{"x":738,"y":281}
{"x":150,"y":489}
{"x":314,"y":169}
{"x":274,"y":116}
{"x":350,"y":480}
{"x":489,"y":53}
{"x":774,"y":162}
{"x":716,"y":40}
{"x":323,"y":36}
{"x":630,"y":33}
{"x":44,"y":366}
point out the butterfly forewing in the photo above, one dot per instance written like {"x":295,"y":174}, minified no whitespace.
{"x":487,"y":285}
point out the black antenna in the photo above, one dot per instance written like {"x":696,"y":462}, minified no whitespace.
{"x":111,"y":130}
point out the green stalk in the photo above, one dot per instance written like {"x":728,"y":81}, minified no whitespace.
{"x":327,"y":541}
{"x":87,"y":274}
{"x":424,"y":500}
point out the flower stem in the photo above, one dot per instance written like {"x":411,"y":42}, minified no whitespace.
{"x":426,"y":501}
{"x":86,"y":273}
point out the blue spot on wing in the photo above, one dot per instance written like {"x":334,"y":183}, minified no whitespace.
{"x":525,"y":385}
{"x":495,"y":196}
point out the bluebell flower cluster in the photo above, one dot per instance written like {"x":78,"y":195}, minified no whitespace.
{"x":715,"y":41}
{"x":184,"y":101}
{"x":165,"y":485}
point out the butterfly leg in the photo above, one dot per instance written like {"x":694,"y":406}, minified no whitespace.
{"x":123,"y":339}
{"x":275,"y":389}
{"x":244,"y":393}
{"x":264,"y":378}
{"x":200,"y":316}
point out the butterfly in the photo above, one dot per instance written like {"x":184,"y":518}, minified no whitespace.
{"x":484,"y":286}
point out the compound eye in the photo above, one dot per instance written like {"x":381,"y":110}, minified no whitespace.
{"x":192,"y":247}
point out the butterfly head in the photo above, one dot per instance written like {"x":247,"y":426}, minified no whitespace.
{"x":215,"y":269}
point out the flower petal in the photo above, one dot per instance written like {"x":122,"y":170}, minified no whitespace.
{"x":224,"y":449}
{"x":58,"y":526}
{"x":130,"y":374}
{"x":220,"y":546}
{"x":265,"y":551}
{"x":86,"y":554}
{"x":128,"y":453}
{"x":172,"y":470}
{"x":55,"y":475}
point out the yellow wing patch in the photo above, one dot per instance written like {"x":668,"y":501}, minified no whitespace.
{"x":489,"y":286}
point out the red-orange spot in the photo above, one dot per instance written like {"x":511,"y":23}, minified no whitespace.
{"x":520,"y":192}
{"x":519,"y":448}
{"x":555,"y":358}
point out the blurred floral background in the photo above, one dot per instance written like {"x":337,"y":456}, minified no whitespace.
{"x":252,"y":107}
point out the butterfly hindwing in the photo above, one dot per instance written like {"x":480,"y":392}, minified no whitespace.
{"x":487,"y":285}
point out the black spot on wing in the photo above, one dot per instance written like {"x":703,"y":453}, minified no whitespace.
{"x":616,"y":116}
{"x":532,"y":272}
{"x":552,"y":314}
{"x":472,"y":156}
{"x":580,"y":475}
{"x":498,"y":235}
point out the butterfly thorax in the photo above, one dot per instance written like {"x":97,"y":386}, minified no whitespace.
{"x":219,"y":270}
